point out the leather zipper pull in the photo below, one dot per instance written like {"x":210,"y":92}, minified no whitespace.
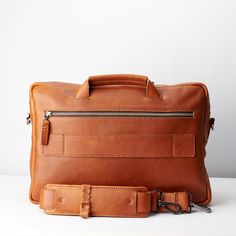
{"x":45,"y":132}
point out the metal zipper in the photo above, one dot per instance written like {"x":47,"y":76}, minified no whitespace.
{"x":117,"y":114}
{"x":46,"y":122}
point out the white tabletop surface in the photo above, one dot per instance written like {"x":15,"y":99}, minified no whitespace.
{"x":20,"y":217}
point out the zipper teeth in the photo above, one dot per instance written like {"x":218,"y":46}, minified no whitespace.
{"x":117,"y":114}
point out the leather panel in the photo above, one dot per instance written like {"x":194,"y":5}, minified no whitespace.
{"x":121,"y":145}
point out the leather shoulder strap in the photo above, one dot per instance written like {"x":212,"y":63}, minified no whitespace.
{"x":116,"y":201}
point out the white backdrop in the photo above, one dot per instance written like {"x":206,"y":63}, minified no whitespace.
{"x":171,"y":41}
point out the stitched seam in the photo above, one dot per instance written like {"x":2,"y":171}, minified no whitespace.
{"x":123,"y":155}
{"x":173,"y":145}
{"x":194,"y":145}
{"x":63,"y":144}
{"x":135,"y":108}
{"x":203,"y":141}
{"x":110,"y":82}
{"x":44,"y":136}
{"x":53,"y":207}
{"x":89,"y":99}
{"x":71,"y":155}
{"x":121,"y":135}
{"x":85,"y":197}
{"x":131,"y":214}
{"x":132,"y":131}
{"x":78,"y":187}
{"x":120,"y":78}
{"x":103,"y":214}
{"x":55,"y":200}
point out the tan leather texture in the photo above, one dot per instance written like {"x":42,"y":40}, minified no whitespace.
{"x":115,"y":201}
{"x":118,"y":140}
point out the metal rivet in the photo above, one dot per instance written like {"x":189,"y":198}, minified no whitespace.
{"x":130,"y":201}
{"x":61,"y":199}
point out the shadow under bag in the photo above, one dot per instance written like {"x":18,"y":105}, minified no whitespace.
{"x":118,"y":145}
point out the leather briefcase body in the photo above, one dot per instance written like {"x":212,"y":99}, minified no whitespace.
{"x":120,"y":130}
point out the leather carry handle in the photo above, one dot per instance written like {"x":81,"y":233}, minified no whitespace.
{"x":118,"y":79}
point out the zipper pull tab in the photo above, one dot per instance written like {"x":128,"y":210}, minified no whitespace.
{"x":47,"y":114}
{"x":45,"y":130}
{"x":201,"y":207}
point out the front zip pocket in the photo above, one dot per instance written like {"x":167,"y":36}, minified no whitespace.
{"x":160,"y":114}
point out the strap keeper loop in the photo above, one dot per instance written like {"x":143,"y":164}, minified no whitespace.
{"x":85,"y":201}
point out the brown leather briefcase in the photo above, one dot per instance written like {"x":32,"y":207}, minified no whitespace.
{"x":118,"y":145}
